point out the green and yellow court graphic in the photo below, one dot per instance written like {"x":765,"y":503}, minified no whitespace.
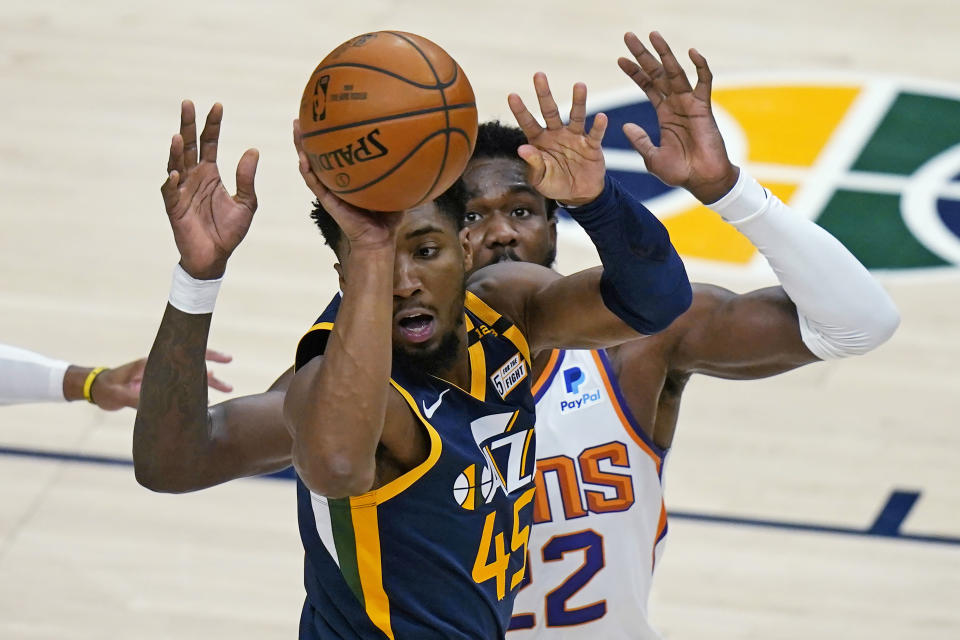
{"x":874,"y":161}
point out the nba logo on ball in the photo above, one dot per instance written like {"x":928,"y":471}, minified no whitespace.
{"x":473,"y":486}
{"x":319,"y":105}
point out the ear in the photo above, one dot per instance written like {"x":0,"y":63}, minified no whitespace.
{"x":340,"y":278}
{"x":467,"y":249}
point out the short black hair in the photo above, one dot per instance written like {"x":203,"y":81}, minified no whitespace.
{"x":452,"y":203}
{"x":498,"y":140}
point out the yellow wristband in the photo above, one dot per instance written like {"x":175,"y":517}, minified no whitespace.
{"x":88,"y":383}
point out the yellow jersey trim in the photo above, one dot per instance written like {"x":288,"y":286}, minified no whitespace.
{"x":405,"y":481}
{"x":481,"y":308}
{"x":366,"y":531}
{"x":513,"y":335}
{"x":526,"y":447}
{"x":478,"y":366}
{"x":490,"y":316}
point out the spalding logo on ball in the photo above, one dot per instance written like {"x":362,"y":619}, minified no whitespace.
{"x":389,"y":121}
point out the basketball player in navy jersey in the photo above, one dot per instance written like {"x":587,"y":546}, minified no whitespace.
{"x":632,"y":392}
{"x":410,"y":412}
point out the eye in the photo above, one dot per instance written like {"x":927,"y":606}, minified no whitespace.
{"x":471,"y":217}
{"x":427,"y":251}
{"x":521,"y":212}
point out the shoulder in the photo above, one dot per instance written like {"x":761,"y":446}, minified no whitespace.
{"x":508,"y":286}
{"x":314,"y":341}
{"x":312,"y":344}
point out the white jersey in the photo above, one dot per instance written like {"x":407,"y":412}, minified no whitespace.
{"x":599,"y":516}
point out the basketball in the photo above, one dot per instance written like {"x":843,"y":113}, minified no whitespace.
{"x":388,"y":120}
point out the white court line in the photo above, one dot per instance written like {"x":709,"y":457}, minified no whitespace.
{"x":843,"y":147}
{"x":919,"y":204}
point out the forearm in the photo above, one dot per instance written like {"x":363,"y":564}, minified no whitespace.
{"x":644,"y":281}
{"x":26,"y":376}
{"x":842,"y":310}
{"x":171,"y":434}
{"x":336,"y":407}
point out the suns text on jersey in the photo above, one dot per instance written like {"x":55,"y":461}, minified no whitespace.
{"x":596,"y":481}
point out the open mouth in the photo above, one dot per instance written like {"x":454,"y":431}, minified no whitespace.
{"x":417,"y":327}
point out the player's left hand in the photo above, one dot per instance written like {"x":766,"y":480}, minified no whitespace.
{"x":361,"y":228}
{"x":691,"y":152}
{"x":120,"y":387}
{"x":566,"y":163}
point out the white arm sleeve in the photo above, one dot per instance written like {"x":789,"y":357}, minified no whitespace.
{"x":26,"y":376}
{"x":843,"y":310}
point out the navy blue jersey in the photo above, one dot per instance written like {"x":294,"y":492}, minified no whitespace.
{"x":440,"y":551}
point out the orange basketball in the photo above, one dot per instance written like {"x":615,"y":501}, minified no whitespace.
{"x":389,"y":120}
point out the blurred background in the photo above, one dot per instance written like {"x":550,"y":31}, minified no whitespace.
{"x":849,"y":110}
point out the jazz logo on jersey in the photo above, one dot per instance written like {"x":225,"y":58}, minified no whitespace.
{"x":508,"y":454}
{"x":506,"y":442}
{"x":573,"y":379}
{"x":509,"y":375}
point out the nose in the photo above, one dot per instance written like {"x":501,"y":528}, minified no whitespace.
{"x":499,"y":232}
{"x":406,"y":278}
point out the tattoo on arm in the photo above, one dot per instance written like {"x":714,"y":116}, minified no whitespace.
{"x":172,"y":424}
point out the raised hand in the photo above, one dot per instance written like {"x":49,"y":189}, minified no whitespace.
{"x":208,"y":223}
{"x":691,"y":152}
{"x":566,"y":163}
{"x":361,"y":228}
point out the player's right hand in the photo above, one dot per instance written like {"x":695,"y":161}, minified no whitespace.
{"x":208,"y":223}
{"x":362,"y":229}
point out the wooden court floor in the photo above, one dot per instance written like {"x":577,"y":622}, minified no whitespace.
{"x":824,"y":503}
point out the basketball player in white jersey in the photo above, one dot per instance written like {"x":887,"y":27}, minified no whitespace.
{"x":606,"y":418}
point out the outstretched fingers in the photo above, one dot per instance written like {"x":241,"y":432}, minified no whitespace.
{"x":598,"y":129}
{"x":548,"y":106}
{"x":642,"y":79}
{"x":578,"y":109}
{"x":212,"y":380}
{"x":213,"y":355}
{"x":534,"y":159}
{"x":188,"y":131}
{"x":210,"y":136}
{"x":648,"y":64}
{"x":175,"y":161}
{"x":246,"y":172}
{"x":525,"y":120}
{"x":216,"y":383}
{"x":676,"y":78}
{"x":640,"y":140}
{"x":704,"y":76}
{"x":170,"y":187}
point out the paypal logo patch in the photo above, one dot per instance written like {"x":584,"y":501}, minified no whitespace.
{"x":585,"y":400}
{"x":573,"y":378}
